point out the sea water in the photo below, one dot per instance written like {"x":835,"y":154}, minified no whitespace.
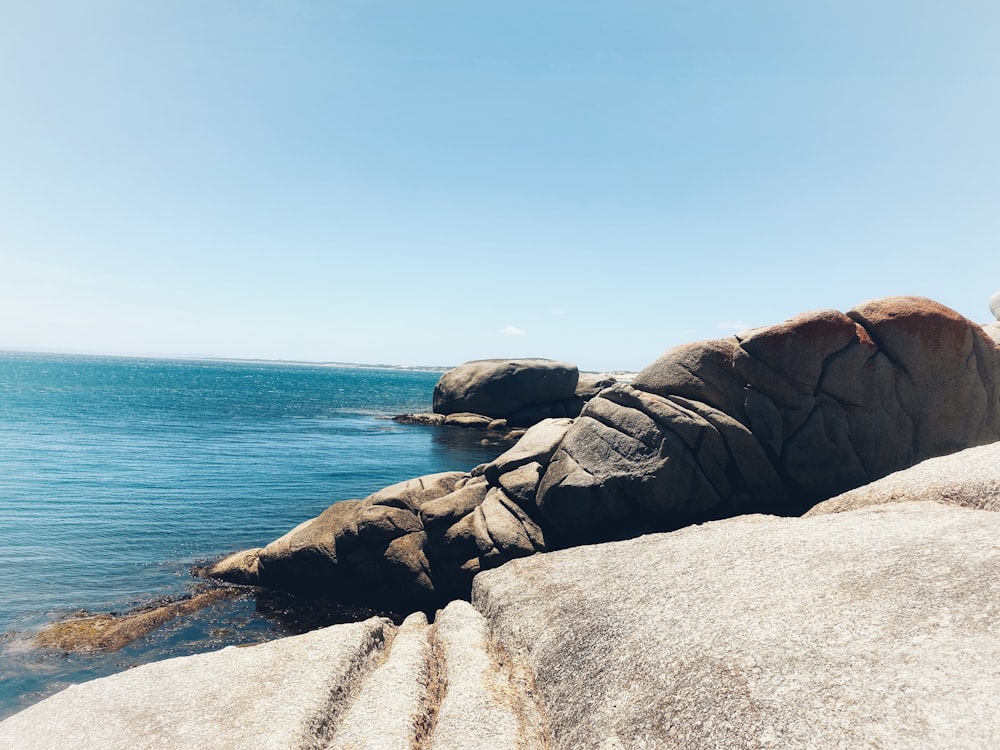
{"x":117,"y":475}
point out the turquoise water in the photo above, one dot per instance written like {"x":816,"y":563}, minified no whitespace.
{"x":117,"y":475}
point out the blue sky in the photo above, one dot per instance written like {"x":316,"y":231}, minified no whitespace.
{"x":430,"y":182}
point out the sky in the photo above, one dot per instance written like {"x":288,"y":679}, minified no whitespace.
{"x":429,"y":182}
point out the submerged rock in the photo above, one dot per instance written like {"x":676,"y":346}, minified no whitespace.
{"x":110,"y":632}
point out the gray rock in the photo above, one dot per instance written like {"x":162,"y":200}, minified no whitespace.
{"x":395,"y":693}
{"x":590,"y":384}
{"x":413,"y":493}
{"x":993,"y":331}
{"x":869,"y":628}
{"x":774,"y":420}
{"x":430,"y":420}
{"x":363,"y":685}
{"x":536,"y":445}
{"x":875,"y":628}
{"x":500,"y":387}
{"x":446,"y":510}
{"x":489,"y":702}
{"x":286,"y":693}
{"x":995,"y":304}
{"x":467,"y":419}
{"x":305,"y":559}
{"x":969,"y":478}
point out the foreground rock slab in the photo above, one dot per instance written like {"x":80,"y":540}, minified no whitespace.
{"x":874,"y":628}
{"x":869,"y":628}
{"x":346,"y":687}
{"x":283,"y":694}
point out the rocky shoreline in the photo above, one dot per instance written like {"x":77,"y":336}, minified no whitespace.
{"x":679,"y":609}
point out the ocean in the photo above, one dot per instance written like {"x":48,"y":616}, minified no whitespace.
{"x":117,"y":475}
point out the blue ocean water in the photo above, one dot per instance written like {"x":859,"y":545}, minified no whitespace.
{"x":118,"y":474}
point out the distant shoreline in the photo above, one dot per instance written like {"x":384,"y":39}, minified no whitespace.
{"x":238,"y":360}
{"x":622,"y":375}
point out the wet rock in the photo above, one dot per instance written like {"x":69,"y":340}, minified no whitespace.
{"x":110,"y":632}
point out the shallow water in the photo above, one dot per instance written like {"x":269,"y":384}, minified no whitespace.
{"x":117,"y":475}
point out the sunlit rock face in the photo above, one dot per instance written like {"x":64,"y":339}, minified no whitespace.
{"x":772,"y":420}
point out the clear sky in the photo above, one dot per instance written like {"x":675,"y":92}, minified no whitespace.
{"x":425,"y":182}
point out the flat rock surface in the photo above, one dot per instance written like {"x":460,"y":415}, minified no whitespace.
{"x":283,"y":694}
{"x":874,"y":628}
{"x":347,"y":687}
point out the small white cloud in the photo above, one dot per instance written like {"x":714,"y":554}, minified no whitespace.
{"x":512,"y":331}
{"x":557,"y":311}
{"x":738,"y":325}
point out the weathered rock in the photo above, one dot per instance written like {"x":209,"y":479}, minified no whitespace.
{"x":396,"y":693}
{"x":993,"y":331}
{"x":869,"y":628}
{"x":536,"y":445}
{"x":995,"y":304}
{"x":489,"y":701}
{"x":413,"y":493}
{"x":286,"y":693}
{"x":305,"y":559}
{"x":969,"y":478}
{"x":430,"y":420}
{"x":239,"y":567}
{"x":467,"y":419}
{"x":637,"y":462}
{"x":362,"y":685}
{"x":500,"y":387}
{"x":875,"y":628}
{"x":445,"y":510}
{"x":590,"y":384}
{"x":774,"y":420}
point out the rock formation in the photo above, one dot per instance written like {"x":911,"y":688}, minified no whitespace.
{"x":522,"y":391}
{"x":995,"y":304}
{"x":869,"y":628}
{"x":773,"y":420}
{"x":508,"y":395}
{"x":969,"y":478}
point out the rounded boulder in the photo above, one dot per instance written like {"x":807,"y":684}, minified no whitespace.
{"x":498,"y":388}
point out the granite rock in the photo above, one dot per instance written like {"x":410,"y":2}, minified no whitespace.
{"x":873,"y":628}
{"x":498,"y":388}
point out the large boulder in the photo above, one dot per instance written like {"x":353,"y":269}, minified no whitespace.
{"x":503,"y":388}
{"x":773,"y":420}
{"x":416,"y":544}
{"x":995,"y":304}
